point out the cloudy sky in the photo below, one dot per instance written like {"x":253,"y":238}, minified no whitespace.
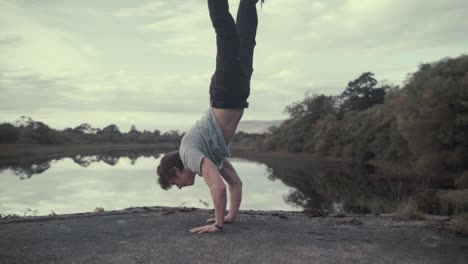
{"x":148,"y":62}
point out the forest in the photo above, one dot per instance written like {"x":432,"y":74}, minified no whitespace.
{"x":28,"y":131}
{"x":421,"y":126}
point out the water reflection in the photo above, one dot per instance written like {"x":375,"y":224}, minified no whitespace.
{"x":68,"y":188}
{"x":303,"y":182}
{"x":26,"y":168}
{"x":358,"y":188}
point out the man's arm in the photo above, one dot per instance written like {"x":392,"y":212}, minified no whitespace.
{"x":218,"y":194}
{"x":235,"y":188}
{"x":229,"y":174}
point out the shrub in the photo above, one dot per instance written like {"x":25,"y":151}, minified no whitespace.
{"x":460,"y":224}
{"x":409,"y":211}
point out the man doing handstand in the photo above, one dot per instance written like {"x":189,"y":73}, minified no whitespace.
{"x":205,"y":147}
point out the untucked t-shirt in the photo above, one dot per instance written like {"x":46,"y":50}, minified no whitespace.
{"x":205,"y":138}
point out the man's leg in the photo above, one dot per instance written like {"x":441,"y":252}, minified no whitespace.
{"x":222,"y":91}
{"x":233,"y":61}
{"x":246,"y":23}
{"x":227,"y":38}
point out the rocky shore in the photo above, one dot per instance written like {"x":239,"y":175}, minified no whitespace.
{"x":161,"y":235}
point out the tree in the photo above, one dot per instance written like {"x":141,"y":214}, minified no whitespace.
{"x":362,"y":94}
{"x":35,"y":132}
{"x":462,"y":108}
{"x":84,"y":128}
{"x":172,"y":136}
{"x":110,"y":133}
{"x":111,"y":129}
{"x":312,"y":107}
{"x":295,"y":110}
{"x":317,"y":106}
{"x":8,"y":133}
{"x":156,"y":133}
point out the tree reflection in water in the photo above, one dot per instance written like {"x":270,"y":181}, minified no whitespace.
{"x":26,"y":168}
{"x":350,"y":187}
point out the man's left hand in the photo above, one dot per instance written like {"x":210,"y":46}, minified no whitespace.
{"x":205,"y":229}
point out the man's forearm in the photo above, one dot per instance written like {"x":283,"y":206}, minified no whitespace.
{"x":219,"y":200}
{"x":235,"y":192}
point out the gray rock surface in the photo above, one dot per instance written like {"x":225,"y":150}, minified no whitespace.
{"x":160,"y":235}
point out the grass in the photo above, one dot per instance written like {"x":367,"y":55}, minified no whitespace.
{"x":204,"y":203}
{"x":458,"y":198}
{"x":26,"y":213}
{"x":460,"y":224}
{"x":409,"y":211}
{"x":462,"y":180}
{"x":9,"y":216}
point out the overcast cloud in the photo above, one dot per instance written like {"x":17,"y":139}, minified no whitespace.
{"x":149,"y":63}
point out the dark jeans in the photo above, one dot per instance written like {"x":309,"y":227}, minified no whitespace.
{"x":230,"y":84}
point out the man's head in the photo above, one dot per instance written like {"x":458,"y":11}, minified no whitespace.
{"x":171,"y":171}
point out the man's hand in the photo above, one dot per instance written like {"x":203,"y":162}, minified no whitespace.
{"x":227,"y":219}
{"x":205,"y":229}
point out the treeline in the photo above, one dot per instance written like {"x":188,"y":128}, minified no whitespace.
{"x":422,"y":126}
{"x":28,"y":131}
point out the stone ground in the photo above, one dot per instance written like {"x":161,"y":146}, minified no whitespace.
{"x":160,"y":235}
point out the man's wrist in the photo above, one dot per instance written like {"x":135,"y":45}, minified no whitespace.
{"x":219,"y":227}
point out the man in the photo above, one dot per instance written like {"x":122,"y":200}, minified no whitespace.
{"x":205,"y":147}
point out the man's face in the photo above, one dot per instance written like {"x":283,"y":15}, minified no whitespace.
{"x":183,"y":178}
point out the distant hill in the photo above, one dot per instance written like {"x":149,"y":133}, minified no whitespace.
{"x":254,"y":126}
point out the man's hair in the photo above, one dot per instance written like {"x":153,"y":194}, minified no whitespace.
{"x":165,"y":169}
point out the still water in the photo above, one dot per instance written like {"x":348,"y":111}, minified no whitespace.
{"x":81,"y":185}
{"x":119,"y":180}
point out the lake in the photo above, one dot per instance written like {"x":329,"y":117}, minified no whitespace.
{"x":122,"y":179}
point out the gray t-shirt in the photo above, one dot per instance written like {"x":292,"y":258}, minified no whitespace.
{"x":205,"y":138}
